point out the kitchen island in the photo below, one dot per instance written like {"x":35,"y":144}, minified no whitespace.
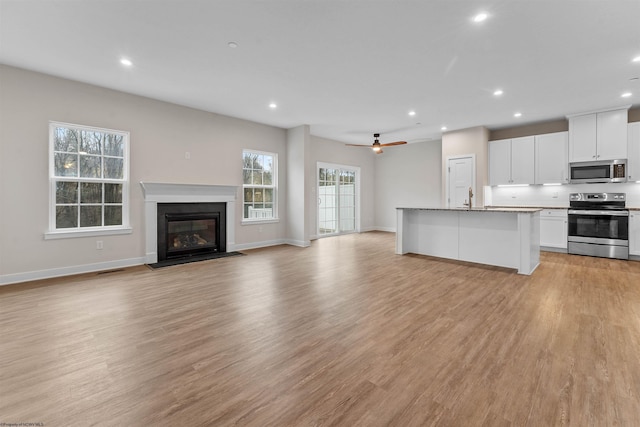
{"x":504,"y":237}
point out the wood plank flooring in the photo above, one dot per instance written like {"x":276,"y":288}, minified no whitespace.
{"x":344,"y":333}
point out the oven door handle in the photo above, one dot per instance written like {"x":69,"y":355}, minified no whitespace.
{"x":600,"y":213}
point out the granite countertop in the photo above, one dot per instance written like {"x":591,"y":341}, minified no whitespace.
{"x":480,"y":209}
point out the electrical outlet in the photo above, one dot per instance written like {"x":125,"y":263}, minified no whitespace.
{"x":513,"y":194}
{"x":99,"y":244}
{"x":187,"y":155}
{"x":555,"y":195}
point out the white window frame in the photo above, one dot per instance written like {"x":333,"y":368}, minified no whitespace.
{"x":125,"y":228}
{"x":274,"y":186}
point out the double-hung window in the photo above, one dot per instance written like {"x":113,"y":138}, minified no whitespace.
{"x":259,"y":187}
{"x":89,"y":181}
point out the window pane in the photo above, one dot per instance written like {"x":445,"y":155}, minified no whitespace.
{"x":113,"y":145}
{"x":66,"y":216}
{"x":66,"y":192}
{"x":113,"y":215}
{"x":90,"y":142}
{"x":257,"y":177}
{"x":90,"y":216}
{"x":246,"y":176}
{"x":269,"y":207}
{"x":248,"y":194}
{"x":267,"y":178}
{"x":65,"y":164}
{"x":268,"y":195}
{"x":246,"y":209}
{"x":65,"y":140}
{"x":321,"y":174}
{"x":257,"y":195}
{"x":90,"y":167}
{"x":91,"y":192}
{"x":113,"y":168}
{"x":113,"y":193}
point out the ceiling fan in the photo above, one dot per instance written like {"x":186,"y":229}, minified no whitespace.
{"x":376,"y":146}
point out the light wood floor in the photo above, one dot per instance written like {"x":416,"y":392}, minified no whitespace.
{"x":342,"y":333}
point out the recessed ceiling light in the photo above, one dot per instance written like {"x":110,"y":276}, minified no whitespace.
{"x":480,"y":17}
{"x":126,"y":62}
{"x":636,"y":59}
{"x":412,"y":113}
{"x":626,"y":94}
{"x":443,"y":128}
{"x":517,"y":115}
{"x":498,"y":92}
{"x":273,"y":105}
{"x":232,"y":45}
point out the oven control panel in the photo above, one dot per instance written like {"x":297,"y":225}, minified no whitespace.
{"x":597,"y":197}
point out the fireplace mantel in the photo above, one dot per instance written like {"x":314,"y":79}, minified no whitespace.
{"x":158,"y":192}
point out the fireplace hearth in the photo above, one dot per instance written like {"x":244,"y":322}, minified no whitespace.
{"x":187,"y":230}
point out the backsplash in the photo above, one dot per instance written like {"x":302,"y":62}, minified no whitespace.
{"x":556,"y":195}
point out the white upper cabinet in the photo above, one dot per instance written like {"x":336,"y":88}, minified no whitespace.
{"x":598,"y":136}
{"x":633,"y":161}
{"x":522,"y":160}
{"x":500,"y":162}
{"x":511,"y":161}
{"x":582,"y":138}
{"x":551,"y":164}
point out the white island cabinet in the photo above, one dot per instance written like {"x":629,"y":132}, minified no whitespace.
{"x":501,"y":237}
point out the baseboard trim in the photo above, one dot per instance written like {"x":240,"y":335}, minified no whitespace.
{"x":387,"y":229}
{"x":9,"y":279}
{"x":256,"y":245}
{"x":299,"y":243}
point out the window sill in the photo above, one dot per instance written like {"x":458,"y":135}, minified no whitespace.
{"x":69,"y":234}
{"x":260,"y":221}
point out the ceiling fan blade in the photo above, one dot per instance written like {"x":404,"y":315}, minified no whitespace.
{"x":358,"y":145}
{"x":389,"y":144}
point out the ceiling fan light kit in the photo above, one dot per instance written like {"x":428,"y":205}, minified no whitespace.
{"x":376,"y":146}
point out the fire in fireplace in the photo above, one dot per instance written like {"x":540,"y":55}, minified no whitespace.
{"x":190,"y":229}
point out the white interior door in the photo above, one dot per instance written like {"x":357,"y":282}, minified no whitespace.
{"x":460,"y":174}
{"x":337,"y":200}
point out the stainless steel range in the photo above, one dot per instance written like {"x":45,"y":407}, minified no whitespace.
{"x":598,"y":225}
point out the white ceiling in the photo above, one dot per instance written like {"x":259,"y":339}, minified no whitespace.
{"x":347,"y":68}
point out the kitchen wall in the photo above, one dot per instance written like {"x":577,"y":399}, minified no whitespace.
{"x":467,"y":141}
{"x":557,"y":195}
{"x":408,"y":175}
{"x":160,"y":132}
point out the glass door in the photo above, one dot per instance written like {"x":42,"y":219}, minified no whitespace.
{"x":337,"y":199}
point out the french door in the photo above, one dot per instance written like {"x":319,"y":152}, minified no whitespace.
{"x":338,"y":196}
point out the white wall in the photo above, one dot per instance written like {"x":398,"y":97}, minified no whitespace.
{"x":408,"y":175}
{"x":473,"y":140}
{"x":330,"y":151}
{"x":161,"y":133}
{"x":297,"y":154}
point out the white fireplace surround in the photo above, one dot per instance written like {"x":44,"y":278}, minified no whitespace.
{"x":157,"y":192}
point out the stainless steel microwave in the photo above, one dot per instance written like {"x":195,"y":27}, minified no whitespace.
{"x":601,"y":171}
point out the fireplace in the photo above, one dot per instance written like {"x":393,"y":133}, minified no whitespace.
{"x":188,"y":230}
{"x":157,"y":194}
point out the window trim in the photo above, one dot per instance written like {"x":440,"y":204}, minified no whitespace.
{"x":275,"y":218}
{"x":63,"y":233}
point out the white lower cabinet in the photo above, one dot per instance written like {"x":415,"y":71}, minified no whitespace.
{"x":634,"y":233}
{"x":553,"y":228}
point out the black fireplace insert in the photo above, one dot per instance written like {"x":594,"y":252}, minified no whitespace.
{"x":191,"y":229}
